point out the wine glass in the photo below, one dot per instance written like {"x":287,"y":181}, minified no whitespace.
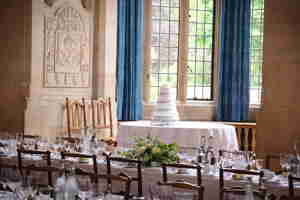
{"x":259,"y":163}
{"x":297,"y":147}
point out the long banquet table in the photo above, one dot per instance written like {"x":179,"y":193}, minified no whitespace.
{"x":152,"y":176}
{"x":184,"y":133}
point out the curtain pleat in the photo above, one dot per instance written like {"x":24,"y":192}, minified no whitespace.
{"x":130,"y":59}
{"x":234,"y":78}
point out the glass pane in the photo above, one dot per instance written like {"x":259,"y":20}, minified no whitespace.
{"x":200,"y":48}
{"x":192,"y":28}
{"x":155,"y":3}
{"x":190,"y":92}
{"x":164,"y":54}
{"x":191,"y":80}
{"x":164,"y":40}
{"x":155,"y":26}
{"x":174,"y":13}
{"x":173,"y":40}
{"x":154,"y":93}
{"x":174,"y":3}
{"x":174,"y":27}
{"x":173,"y":54}
{"x":155,"y":12}
{"x":164,"y":13}
{"x":164,"y":27}
{"x":256,"y":46}
{"x":154,"y":79}
{"x":173,"y":67}
{"x":164,"y":2}
{"x":154,"y":53}
{"x":192,"y":54}
{"x":155,"y":39}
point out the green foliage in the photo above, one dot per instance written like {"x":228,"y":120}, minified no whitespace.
{"x":151,"y":149}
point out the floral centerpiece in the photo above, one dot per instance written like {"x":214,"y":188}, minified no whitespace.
{"x":152,"y":151}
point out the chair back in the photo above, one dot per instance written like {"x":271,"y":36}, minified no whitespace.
{"x":138,"y":178}
{"x":120,"y":178}
{"x":75,"y":115}
{"x":181,"y":166}
{"x":238,"y":189}
{"x":65,"y":155}
{"x":197,"y":191}
{"x":181,"y":183}
{"x":102,"y":114}
{"x":292,"y":180}
{"x":46,"y":155}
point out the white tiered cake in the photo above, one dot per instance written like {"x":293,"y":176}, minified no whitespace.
{"x":165,"y":112}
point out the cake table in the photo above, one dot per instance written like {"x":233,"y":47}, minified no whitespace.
{"x":184,"y":133}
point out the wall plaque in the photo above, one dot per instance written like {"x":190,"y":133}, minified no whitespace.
{"x":67,"y":49}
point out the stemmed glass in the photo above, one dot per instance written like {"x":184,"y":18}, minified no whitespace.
{"x":297,"y":148}
{"x":285,"y":162}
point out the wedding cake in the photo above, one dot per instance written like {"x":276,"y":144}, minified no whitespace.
{"x":165,"y":112}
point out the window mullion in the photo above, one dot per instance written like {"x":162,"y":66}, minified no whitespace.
{"x":183,"y":51}
{"x":147,"y":50}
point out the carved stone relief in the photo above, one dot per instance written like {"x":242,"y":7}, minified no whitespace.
{"x":67,"y":49}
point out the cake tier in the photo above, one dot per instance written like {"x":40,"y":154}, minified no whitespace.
{"x":165,"y":109}
{"x":165,"y":118}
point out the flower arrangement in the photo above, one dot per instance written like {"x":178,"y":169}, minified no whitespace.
{"x":151,"y":150}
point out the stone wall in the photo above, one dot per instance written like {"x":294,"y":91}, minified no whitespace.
{"x":65,"y":59}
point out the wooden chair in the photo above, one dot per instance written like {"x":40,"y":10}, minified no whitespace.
{"x":292,"y":179}
{"x":76,"y":116}
{"x":238,"y":190}
{"x":121,"y":178}
{"x":197,"y":191}
{"x":181,"y":183}
{"x":138,"y":178}
{"x":46,"y":155}
{"x":102,"y":114}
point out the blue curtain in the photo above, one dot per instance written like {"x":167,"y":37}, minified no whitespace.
{"x":130,"y":59}
{"x":234,"y":80}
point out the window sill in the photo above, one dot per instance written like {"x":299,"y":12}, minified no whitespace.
{"x":189,"y":103}
{"x":204,"y":104}
{"x":255,"y":107}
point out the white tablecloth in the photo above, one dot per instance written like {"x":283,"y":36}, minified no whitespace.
{"x":184,"y":133}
